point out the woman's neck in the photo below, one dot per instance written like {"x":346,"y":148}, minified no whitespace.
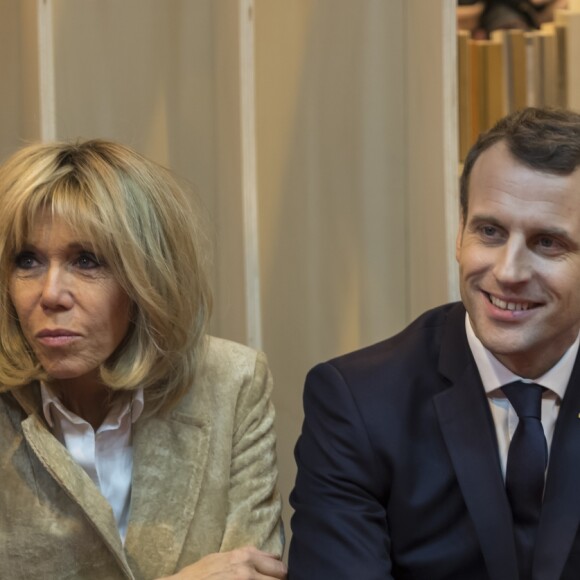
{"x":89,"y":400}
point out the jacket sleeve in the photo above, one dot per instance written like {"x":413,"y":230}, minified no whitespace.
{"x":339,"y":525}
{"x":255,"y":505}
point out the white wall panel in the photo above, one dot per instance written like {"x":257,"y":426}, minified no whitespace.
{"x":432,"y":192}
{"x":332,"y":165}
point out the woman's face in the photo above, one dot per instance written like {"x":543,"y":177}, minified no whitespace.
{"x":72,"y":311}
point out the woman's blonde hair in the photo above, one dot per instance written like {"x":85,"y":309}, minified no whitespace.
{"x":143,"y":227}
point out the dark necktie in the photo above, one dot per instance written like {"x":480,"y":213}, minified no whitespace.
{"x":526,"y":466}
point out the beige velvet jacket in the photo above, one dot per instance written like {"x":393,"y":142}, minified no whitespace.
{"x":204,"y":480}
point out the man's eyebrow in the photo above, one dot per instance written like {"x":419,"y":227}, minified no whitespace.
{"x":557,"y":232}
{"x":484,"y":219}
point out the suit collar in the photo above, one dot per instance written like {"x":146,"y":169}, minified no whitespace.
{"x":454,"y":356}
{"x":467,"y":428}
{"x":560,"y":517}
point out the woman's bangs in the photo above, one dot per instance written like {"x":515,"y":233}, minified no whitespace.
{"x":65,"y":202}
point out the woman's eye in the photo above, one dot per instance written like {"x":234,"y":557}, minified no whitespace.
{"x":87,"y":261}
{"x":25,"y":260}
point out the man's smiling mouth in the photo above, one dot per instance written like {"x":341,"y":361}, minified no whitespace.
{"x":513,"y":306}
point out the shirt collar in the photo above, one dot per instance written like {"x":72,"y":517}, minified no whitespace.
{"x":133,"y":405}
{"x":494,"y":374}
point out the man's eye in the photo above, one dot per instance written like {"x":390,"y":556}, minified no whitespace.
{"x":87,"y":261}
{"x":25,"y":260}
{"x":489,"y":231}
{"x":551,"y":246}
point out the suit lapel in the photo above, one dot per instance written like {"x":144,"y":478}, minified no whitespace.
{"x":561,"y":508}
{"x":70,"y":476}
{"x":170,"y":457}
{"x":468,"y":432}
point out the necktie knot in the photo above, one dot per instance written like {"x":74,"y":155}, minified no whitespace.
{"x":526,"y":398}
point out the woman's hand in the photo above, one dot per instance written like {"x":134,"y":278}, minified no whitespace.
{"x":246,"y":563}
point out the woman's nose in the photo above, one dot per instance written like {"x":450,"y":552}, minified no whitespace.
{"x":56,"y":292}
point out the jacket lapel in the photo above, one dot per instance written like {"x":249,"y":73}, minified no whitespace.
{"x":468,"y":432}
{"x":70,"y":476}
{"x":561,"y":508}
{"x":170,"y":457}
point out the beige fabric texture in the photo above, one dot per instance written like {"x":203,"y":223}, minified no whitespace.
{"x":204,"y":480}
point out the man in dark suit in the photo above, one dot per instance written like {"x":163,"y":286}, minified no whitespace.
{"x":416,"y":460}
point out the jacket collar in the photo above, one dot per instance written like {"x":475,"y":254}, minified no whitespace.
{"x":467,"y":428}
{"x":560,"y":517}
{"x":70,"y":476}
{"x":170,"y":456}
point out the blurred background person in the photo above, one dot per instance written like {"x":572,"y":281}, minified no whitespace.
{"x":483,"y":16}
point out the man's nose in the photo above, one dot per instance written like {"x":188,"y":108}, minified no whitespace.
{"x":57,"y":291}
{"x":513,"y":264}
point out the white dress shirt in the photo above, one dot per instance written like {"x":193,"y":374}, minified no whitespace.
{"x":107,"y":454}
{"x":494,"y":375}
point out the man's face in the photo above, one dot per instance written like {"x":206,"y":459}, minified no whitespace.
{"x":519,"y":261}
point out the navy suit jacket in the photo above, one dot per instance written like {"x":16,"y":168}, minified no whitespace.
{"x":399,"y":474}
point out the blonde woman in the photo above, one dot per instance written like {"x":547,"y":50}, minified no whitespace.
{"x":132,"y":445}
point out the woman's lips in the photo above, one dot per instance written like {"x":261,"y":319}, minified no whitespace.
{"x":56,"y":337}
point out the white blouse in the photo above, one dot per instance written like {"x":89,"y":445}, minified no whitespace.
{"x":107,"y":454}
